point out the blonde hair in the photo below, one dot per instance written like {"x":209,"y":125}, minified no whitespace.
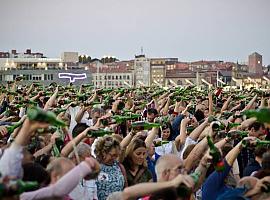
{"x":104,"y":146}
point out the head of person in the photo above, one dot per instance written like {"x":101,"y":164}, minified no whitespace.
{"x":266,"y":161}
{"x":151,"y":114}
{"x":136,"y":153}
{"x":257,"y":129}
{"x":168,"y":167}
{"x":107,"y":150}
{"x":83,"y":151}
{"x":96,"y":113}
{"x":166,"y":131}
{"x":199,"y":115}
{"x":79,"y":128}
{"x":58,"y":168}
{"x":35,"y":172}
{"x":259,"y":151}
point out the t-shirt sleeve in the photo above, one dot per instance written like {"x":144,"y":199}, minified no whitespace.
{"x":214,"y":183}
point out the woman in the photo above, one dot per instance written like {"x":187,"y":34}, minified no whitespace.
{"x":135,"y":163}
{"x":167,"y":144}
{"x":111,"y":178}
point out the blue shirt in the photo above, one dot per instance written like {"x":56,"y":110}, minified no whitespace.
{"x":215,"y":185}
{"x":151,"y":165}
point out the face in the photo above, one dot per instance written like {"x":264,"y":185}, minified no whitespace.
{"x":111,"y":156}
{"x":151,"y":117}
{"x":177,"y":167}
{"x":259,"y":133}
{"x":165,"y":134}
{"x":138,"y":156}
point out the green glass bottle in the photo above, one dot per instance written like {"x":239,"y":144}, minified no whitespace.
{"x":233,"y":125}
{"x":55,"y":151}
{"x":99,"y":133}
{"x":11,"y":129}
{"x":17,"y":187}
{"x":262,"y":143}
{"x":190,"y":129}
{"x":183,"y":190}
{"x":262,"y":115}
{"x":144,"y":125}
{"x":120,"y":119}
{"x":237,"y":134}
{"x":160,"y":143}
{"x":214,"y":152}
{"x":37,"y":114}
{"x":57,"y":111}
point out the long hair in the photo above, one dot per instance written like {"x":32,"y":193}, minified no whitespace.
{"x":134,"y":144}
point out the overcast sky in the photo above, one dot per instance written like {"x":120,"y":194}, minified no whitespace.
{"x":191,"y":30}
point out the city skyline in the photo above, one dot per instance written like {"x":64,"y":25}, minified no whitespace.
{"x":189,"y":30}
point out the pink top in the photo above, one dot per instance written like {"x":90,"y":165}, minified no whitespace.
{"x":62,"y":187}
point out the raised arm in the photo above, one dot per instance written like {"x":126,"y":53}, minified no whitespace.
{"x":181,"y":138}
{"x":52,"y":99}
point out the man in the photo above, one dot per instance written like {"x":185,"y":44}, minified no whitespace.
{"x":168,"y":167}
{"x":151,"y":114}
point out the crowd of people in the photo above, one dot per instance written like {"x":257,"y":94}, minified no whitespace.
{"x":83,"y":143}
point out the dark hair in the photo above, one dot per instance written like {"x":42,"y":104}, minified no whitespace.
{"x":152,"y":111}
{"x":35,"y":172}
{"x":256,"y":126}
{"x":167,"y":125}
{"x":199,"y":115}
{"x":165,"y":194}
{"x":80,"y":127}
{"x":266,"y":161}
{"x":259,"y":151}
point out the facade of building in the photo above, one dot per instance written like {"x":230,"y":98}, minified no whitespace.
{"x":44,"y":70}
{"x":111,"y":75}
{"x":141,"y":71}
{"x":157,"y":71}
{"x":255,"y":63}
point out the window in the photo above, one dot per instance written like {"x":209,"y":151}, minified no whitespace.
{"x":45,"y":77}
{"x":112,"y":77}
{"x":109,"y":77}
{"x":120,"y":77}
{"x":124,"y":77}
{"x":127,"y":77}
{"x":51,"y":76}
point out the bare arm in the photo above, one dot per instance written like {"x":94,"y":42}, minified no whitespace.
{"x":166,"y":107}
{"x":226,"y":104}
{"x":181,"y":138}
{"x":249,"y":105}
{"x":50,"y":102}
{"x":74,"y":142}
{"x":80,"y":114}
{"x":151,"y":136}
{"x":198,"y":130}
{"x":210,"y":105}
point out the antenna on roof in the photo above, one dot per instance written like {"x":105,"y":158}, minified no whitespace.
{"x":141,"y":50}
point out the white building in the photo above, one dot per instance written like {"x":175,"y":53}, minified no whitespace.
{"x":141,"y":71}
{"x":111,"y":75}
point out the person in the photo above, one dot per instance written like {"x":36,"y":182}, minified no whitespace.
{"x":111,"y":177}
{"x":256,"y":163}
{"x":135,"y":163}
{"x":87,"y":188}
{"x":151,"y":114}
